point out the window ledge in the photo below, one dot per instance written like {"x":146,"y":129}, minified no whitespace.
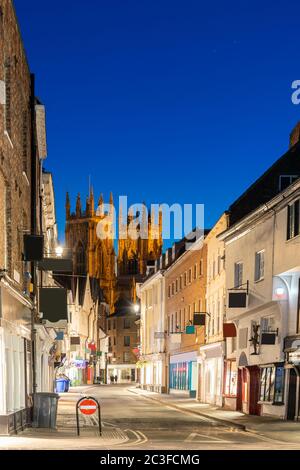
{"x":293,"y":238}
{"x":259,"y":280}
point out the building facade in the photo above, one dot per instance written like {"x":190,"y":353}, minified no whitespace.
{"x":212,"y":353}
{"x":153,"y":360}
{"x":185,"y":283}
{"x":16,"y":120}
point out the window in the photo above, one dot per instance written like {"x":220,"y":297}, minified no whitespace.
{"x":115,"y":341}
{"x":108,"y":325}
{"x":185,"y":279}
{"x":219,"y":264}
{"x":259,"y":265}
{"x":176,"y":286}
{"x":201,"y":267}
{"x":180,"y":283}
{"x":230,"y":382}
{"x":126,"y":357}
{"x":190,"y":275}
{"x":267,"y":325}
{"x":286,"y":180}
{"x":293,"y":228}
{"x":195,"y":272}
{"x":126,"y":323}
{"x":126,"y":340}
{"x":169,"y":291}
{"x":8,"y":97}
{"x":238,"y":274}
{"x":25,"y":141}
{"x":214,"y":269}
{"x":173,"y":288}
{"x":272,"y":384}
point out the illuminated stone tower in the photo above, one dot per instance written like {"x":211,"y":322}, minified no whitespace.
{"x":94,"y":255}
{"x":91,"y":255}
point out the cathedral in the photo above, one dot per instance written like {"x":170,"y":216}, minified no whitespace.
{"x":117,"y":273}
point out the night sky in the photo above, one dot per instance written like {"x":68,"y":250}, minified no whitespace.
{"x":163,"y":101}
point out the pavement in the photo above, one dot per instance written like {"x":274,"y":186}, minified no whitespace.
{"x":136,"y":420}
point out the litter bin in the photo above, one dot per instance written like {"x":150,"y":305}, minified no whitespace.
{"x":67,"y":385}
{"x":60,"y":385}
{"x":45,"y":410}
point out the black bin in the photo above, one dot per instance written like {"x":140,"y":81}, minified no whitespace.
{"x":45,"y":410}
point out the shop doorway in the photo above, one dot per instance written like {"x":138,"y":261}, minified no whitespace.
{"x":254,"y":407}
{"x":291,"y":411}
{"x":239,"y":398}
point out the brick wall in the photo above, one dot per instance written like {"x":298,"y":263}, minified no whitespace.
{"x":15,"y":142}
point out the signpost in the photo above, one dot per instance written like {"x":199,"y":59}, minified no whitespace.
{"x":88,"y":406}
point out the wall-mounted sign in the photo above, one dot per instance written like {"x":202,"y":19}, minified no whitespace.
{"x":268,"y":338}
{"x":199,"y":319}
{"x":190,"y":330}
{"x":33,"y":247}
{"x":229,"y":330}
{"x":75,"y":340}
{"x":53,"y":304}
{"x":237,"y":299}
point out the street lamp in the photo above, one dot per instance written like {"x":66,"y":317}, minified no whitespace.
{"x":59,"y":251}
{"x":136,"y":308}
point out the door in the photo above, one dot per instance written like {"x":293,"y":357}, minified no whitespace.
{"x":239,"y":399}
{"x":291,"y":411}
{"x":254,"y":407}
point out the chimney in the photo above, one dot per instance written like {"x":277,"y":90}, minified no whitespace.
{"x":295,"y":135}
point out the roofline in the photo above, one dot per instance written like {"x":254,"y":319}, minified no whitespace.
{"x":293,"y":148}
{"x":285,"y":195}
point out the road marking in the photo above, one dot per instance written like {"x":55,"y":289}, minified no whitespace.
{"x":193,"y":437}
{"x":140,"y":437}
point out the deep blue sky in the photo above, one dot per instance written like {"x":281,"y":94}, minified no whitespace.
{"x":165,"y":101}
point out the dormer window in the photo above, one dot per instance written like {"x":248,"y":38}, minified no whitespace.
{"x":286,"y":180}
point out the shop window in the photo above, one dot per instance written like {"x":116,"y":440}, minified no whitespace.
{"x":272,"y":384}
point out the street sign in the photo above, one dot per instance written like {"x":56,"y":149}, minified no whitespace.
{"x":88,"y":407}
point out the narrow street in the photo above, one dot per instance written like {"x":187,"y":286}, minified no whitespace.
{"x":131,"y":422}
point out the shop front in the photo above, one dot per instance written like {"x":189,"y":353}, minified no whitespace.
{"x":260,"y":389}
{"x":211,"y":367}
{"x":230,"y":383}
{"x":76,"y":370}
{"x":183,"y":373}
{"x":15,"y":360}
{"x":153,"y":373}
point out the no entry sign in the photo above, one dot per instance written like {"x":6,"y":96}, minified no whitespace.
{"x":88,"y":407}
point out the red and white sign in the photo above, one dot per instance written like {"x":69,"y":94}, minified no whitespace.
{"x":88,"y":407}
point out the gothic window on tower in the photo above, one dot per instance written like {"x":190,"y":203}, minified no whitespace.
{"x":80,"y":259}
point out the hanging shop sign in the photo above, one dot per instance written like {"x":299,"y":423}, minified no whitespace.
{"x":199,"y":319}
{"x":229,"y":330}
